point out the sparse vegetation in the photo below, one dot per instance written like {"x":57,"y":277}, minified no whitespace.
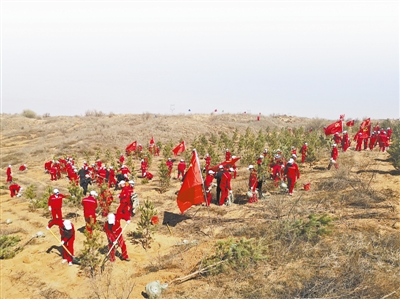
{"x":7,"y":244}
{"x":145,"y":226}
{"x":29,"y":113}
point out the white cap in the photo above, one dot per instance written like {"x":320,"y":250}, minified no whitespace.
{"x":221,"y":167}
{"x":233,"y":157}
{"x":291,"y":161}
{"x":56,"y":191}
{"x":250,"y":167}
{"x":93,"y":193}
{"x":265,"y":150}
{"x":67,"y":224}
{"x":121,"y":182}
{"x":131,"y":182}
{"x":142,"y":160}
{"x":334,"y":145}
{"x":169,"y":158}
{"x":111,"y":218}
{"x":231,"y":169}
{"x":207,"y":155}
{"x":9,"y":165}
{"x":227,"y":149}
{"x":86,"y":175}
{"x":211,"y":172}
{"x":111,"y":167}
{"x":182,"y":160}
{"x":261,"y":157}
{"x":123,"y":166}
{"x":305,"y":143}
{"x":294,"y":156}
{"x":344,"y":132}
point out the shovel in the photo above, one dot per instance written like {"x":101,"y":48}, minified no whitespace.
{"x":74,"y":260}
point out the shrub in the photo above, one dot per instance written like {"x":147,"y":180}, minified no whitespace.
{"x":6,"y":246}
{"x":29,"y":113}
{"x":165,"y":179}
{"x":75,"y":194}
{"x":145,"y":227}
{"x":394,"y":149}
{"x":90,"y":257}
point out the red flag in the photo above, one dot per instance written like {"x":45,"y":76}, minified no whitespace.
{"x":342,"y":116}
{"x":350,"y":123}
{"x":333,"y":128}
{"x":226,"y":164}
{"x":131,"y":147}
{"x":215,"y":110}
{"x":152,"y":140}
{"x":192,"y":190}
{"x":179,"y":148}
{"x":365,"y":128}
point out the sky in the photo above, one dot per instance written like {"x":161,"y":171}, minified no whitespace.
{"x":302,"y":58}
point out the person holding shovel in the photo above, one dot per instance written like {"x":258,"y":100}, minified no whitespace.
{"x":114,"y":235}
{"x":67,"y":232}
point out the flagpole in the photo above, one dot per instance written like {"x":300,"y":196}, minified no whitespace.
{"x":202,"y":181}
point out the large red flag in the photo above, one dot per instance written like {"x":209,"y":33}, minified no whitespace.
{"x":342,"y":116}
{"x":192,"y":190}
{"x":350,"y":123}
{"x":179,"y":148}
{"x":336,"y":127}
{"x":365,"y":128}
{"x":226,"y":164}
{"x":131,"y":147}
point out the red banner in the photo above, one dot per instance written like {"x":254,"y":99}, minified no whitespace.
{"x":336,"y":127}
{"x":179,"y":148}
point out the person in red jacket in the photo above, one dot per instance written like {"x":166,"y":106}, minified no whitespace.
{"x":227,"y":155}
{"x":169,"y":164}
{"x":125,"y":205}
{"x":225,"y":186}
{"x":337,"y":139}
{"x":111,"y":177}
{"x":292,"y":173}
{"x":276,"y":173}
{"x":253,"y":184}
{"x":208,"y":186}
{"x":359,"y":139}
{"x":89,"y":210}
{"x":14,"y":190}
{"x":67,"y":232}
{"x":9,"y":174}
{"x":181,"y":168}
{"x":382,"y":140}
{"x":293,"y":151}
{"x":55,"y":204}
{"x":125,"y":171}
{"x":334,"y":157}
{"x":101,"y":175}
{"x":47,"y":166}
{"x":345,"y":141}
{"x":143,"y":166}
{"x":389,"y":132}
{"x":303,"y":152}
{"x":113,"y":230}
{"x":208,"y":162}
{"x":372,"y":140}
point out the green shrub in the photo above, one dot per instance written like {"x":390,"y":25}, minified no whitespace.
{"x":145,"y":227}
{"x":6,"y":246}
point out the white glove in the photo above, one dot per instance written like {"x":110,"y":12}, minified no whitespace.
{"x":230,"y":191}
{"x":47,"y":227}
{"x":49,"y":208}
{"x":62,"y":242}
{"x":128,"y":221}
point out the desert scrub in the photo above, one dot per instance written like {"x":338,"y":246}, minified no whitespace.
{"x":7,"y":243}
{"x":234,"y":255}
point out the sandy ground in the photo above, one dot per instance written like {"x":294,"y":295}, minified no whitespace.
{"x":37,"y":272}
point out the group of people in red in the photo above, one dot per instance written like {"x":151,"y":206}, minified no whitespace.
{"x":15,"y":189}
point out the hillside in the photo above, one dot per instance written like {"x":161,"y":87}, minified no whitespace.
{"x":356,"y":254}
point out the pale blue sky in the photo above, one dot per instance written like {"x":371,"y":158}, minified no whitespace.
{"x":304,"y":58}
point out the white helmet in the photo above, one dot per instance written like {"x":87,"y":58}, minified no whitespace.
{"x":121,"y":182}
{"x":261,"y":157}
{"x":111,"y":218}
{"x":93,"y":193}
{"x":334,"y":145}
{"x":55,"y":191}
{"x":67,"y":224}
{"x":211,"y":172}
{"x":131,"y":182}
{"x":250,"y":167}
{"x":291,"y":161}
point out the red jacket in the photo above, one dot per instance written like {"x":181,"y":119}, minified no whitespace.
{"x":226,"y":181}
{"x":253,"y":180}
{"x":334,"y":153}
{"x":113,"y":230}
{"x":292,"y":171}
{"x":89,"y":206}
{"x":181,"y":166}
{"x":55,"y":201}
{"x":208,"y":181}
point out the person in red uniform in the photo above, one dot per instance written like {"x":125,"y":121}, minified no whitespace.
{"x":260,"y":160}
{"x":334,"y":157}
{"x":372,"y":140}
{"x":89,"y":210}
{"x":181,"y":168}
{"x":382,"y":140}
{"x":9,"y":174}
{"x":208,"y":162}
{"x":101,"y":175}
{"x":276,"y":173}
{"x":234,"y":167}
{"x":345,"y":141}
{"x":140,"y":148}
{"x":227,"y":155}
{"x":67,"y":232}
{"x":337,"y":139}
{"x":156,"y":150}
{"x":225,"y":186}
{"x":125,"y":205}
{"x":169,"y":164}
{"x":293,"y":151}
{"x":47,"y":166}
{"x":208,"y":186}
{"x":253,"y":183}
{"x":125,"y":171}
{"x":303,"y":152}
{"x":292,"y":173}
{"x":14,"y":189}
{"x":359,"y":139}
{"x":389,"y":132}
{"x":55,"y":204}
{"x":58,"y":169}
{"x":143,"y":166}
{"x":113,"y":230}
{"x":111,"y":177}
